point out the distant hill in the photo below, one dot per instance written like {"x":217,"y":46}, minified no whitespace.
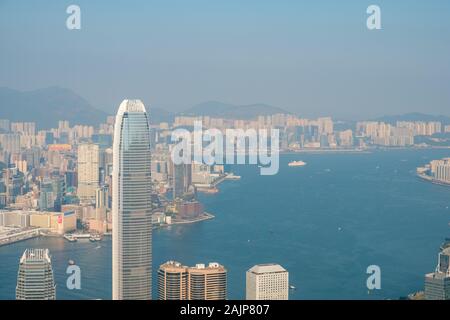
{"x":224,"y":110}
{"x":414,"y":117}
{"x":47,"y":106}
{"x":158,"y":115}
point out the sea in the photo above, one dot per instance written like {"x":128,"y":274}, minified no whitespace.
{"x":325,"y":223}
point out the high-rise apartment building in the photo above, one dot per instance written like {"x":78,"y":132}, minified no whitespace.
{"x":182,"y":179}
{"x":267,"y":282}
{"x":4,"y":125}
{"x":172,"y":281}
{"x":131,"y":204}
{"x":88,"y":171}
{"x":207,"y":282}
{"x":35,"y":277}
{"x":202,"y":282}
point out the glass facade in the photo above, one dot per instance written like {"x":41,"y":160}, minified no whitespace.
{"x":132,"y":221}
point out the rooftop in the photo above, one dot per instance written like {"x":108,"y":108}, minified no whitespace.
{"x":131,"y":106}
{"x":267,"y":268}
{"x":32,"y":255}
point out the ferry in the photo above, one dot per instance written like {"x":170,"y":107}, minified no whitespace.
{"x":95,"y":237}
{"x":297,"y":164}
{"x":231,"y":176}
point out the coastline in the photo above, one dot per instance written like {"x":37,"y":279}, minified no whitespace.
{"x":432,"y":180}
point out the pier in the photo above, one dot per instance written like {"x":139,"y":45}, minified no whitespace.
{"x":10,"y":235}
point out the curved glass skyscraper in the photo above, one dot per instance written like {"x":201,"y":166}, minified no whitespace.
{"x":131,"y":204}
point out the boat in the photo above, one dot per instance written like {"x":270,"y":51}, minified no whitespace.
{"x":297,"y":164}
{"x":292,"y":287}
{"x":231,"y":176}
{"x":95,"y":237}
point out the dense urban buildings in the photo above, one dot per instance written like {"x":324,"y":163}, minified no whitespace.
{"x":62,"y":181}
{"x":35,"y":277}
{"x":267,"y":282}
{"x":437,"y":283}
{"x":131,"y":204}
{"x":437,"y":171}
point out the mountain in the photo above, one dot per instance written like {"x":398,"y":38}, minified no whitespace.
{"x":416,"y":116}
{"x":47,"y":106}
{"x":158,"y":115}
{"x":225,"y":110}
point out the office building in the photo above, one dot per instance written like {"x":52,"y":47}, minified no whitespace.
{"x":267,"y":282}
{"x":437,"y":284}
{"x":131,"y":204}
{"x":182,"y":179}
{"x":35,"y":277}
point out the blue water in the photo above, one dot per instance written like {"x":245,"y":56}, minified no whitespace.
{"x":325,"y":222}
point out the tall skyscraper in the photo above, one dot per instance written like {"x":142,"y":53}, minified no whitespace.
{"x":437,"y":283}
{"x":131,"y":207}
{"x":35,"y":277}
{"x":207,"y":282}
{"x":172,"y":281}
{"x":88,"y":171}
{"x":267,"y":282}
{"x":182,"y":179}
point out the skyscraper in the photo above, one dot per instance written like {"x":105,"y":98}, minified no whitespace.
{"x":437,"y":283}
{"x":267,"y":282}
{"x":207,"y":282}
{"x":35,"y":277}
{"x":88,"y":171}
{"x":172,"y":281}
{"x":182,"y":179}
{"x":131,"y":208}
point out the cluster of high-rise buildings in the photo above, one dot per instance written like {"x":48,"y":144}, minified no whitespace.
{"x":46,"y":169}
{"x":437,"y":171}
{"x":201,"y":282}
{"x":399,"y":135}
{"x":131,"y":215}
{"x":120,"y":177}
{"x":35,"y":281}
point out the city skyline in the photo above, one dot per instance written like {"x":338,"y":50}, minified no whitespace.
{"x":210,"y":152}
{"x":56,"y":206}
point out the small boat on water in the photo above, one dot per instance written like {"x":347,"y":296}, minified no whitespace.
{"x":292,"y":287}
{"x":297,"y":164}
{"x":95,"y":237}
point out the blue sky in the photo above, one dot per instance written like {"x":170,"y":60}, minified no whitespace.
{"x":309,"y":57}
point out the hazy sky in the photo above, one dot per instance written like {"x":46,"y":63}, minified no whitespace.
{"x":309,"y":57}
